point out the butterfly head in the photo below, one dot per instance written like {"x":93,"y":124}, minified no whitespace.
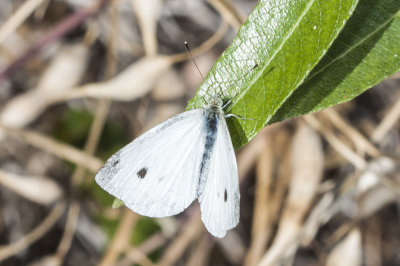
{"x":215,"y":104}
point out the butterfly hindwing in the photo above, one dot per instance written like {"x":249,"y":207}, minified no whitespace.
{"x":219,"y":200}
{"x":156,"y":175}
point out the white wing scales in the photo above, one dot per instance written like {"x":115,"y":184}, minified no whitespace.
{"x":219,"y":202}
{"x":155,"y":175}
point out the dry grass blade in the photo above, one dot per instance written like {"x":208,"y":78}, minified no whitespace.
{"x":347,"y":252}
{"x":93,"y":138}
{"x":170,"y":87}
{"x":40,"y":12}
{"x":337,"y":144}
{"x":69,"y":232}
{"x":191,"y":231}
{"x":103,"y":106}
{"x":360,"y":142}
{"x":233,"y":247}
{"x":59,"y":30}
{"x":13,"y":248}
{"x":147,"y":13}
{"x":249,"y":155}
{"x":138,"y":254}
{"x":282,"y":154}
{"x":363,"y":194}
{"x":319,"y":215}
{"x":378,"y":186}
{"x":23,"y":12}
{"x":32,"y":187}
{"x":373,"y":242}
{"x":390,"y":119}
{"x":66,"y":240}
{"x":307,"y":167}
{"x":120,"y":239}
{"x":70,"y":62}
{"x":228,"y":11}
{"x":374,"y":173}
{"x":207,"y":45}
{"x":152,"y":243}
{"x":262,"y":222}
{"x":56,"y":148}
{"x":134,"y":82}
{"x":201,"y":253}
{"x":375,"y":200}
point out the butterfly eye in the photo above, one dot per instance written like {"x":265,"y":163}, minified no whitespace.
{"x":142,"y":173}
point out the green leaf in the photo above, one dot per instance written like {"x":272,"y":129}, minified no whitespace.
{"x":117,"y":203}
{"x":286,"y":39}
{"x":366,"y":52}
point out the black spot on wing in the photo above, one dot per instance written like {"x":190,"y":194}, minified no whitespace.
{"x":142,"y":172}
{"x":225,"y":195}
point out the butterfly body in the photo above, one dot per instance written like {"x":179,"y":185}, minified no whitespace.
{"x":186,"y":157}
{"x":212,"y":114}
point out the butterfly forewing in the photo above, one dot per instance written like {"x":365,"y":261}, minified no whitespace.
{"x":219,"y":200}
{"x":150,"y":176}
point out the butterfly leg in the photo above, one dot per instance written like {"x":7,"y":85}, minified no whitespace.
{"x":226,"y":104}
{"x":238,"y":117}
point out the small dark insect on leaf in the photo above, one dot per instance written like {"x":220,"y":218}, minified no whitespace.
{"x":142,"y":172}
{"x":225,"y":196}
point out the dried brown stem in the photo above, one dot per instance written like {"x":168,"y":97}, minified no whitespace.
{"x":200,"y":254}
{"x":391,"y":118}
{"x":120,"y":239}
{"x":69,"y":231}
{"x":19,"y":16}
{"x":336,"y":143}
{"x":207,"y":45}
{"x":93,"y":138}
{"x":362,"y":144}
{"x":138,"y":254}
{"x":282,"y":153}
{"x":229,"y":12}
{"x":65,"y":26}
{"x":103,"y":104}
{"x":31,"y":237}
{"x":261,"y":227}
{"x":249,"y":155}
{"x":307,"y":168}
{"x":190,"y":232}
{"x":55,"y":147}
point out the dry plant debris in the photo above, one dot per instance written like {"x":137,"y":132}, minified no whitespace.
{"x":79,"y":79}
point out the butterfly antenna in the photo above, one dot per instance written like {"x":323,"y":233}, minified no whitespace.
{"x":191,"y":56}
{"x":198,"y":69}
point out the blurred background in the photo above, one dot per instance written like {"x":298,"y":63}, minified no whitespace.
{"x":81,"y":79}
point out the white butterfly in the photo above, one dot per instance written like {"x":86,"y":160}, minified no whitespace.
{"x":186,"y":157}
